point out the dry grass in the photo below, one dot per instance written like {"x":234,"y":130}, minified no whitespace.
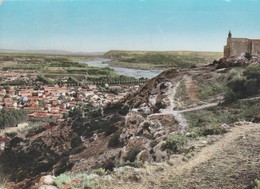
{"x":231,"y":161}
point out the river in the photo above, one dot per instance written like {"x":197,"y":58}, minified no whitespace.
{"x":136,"y":73}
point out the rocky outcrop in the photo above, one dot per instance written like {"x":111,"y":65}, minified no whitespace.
{"x":125,"y":131}
{"x":28,"y":159}
{"x":127,"y":127}
{"x":242,"y":60}
{"x":154,"y":85}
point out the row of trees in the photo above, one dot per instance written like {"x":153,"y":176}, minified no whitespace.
{"x":44,"y":80}
{"x":11,"y":117}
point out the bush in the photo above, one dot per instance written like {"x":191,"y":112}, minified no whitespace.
{"x":100,"y":171}
{"x":252,"y":72}
{"x":246,"y":86}
{"x":62,"y":179}
{"x":84,"y":180}
{"x":153,"y":143}
{"x":230,"y":96}
{"x":248,"y":56}
{"x":114,"y":141}
{"x":213,"y":130}
{"x":237,"y":85}
{"x":34,"y":130}
{"x":77,"y":149}
{"x":159,"y":105}
{"x":131,"y":155}
{"x":255,"y":184}
{"x":11,"y":134}
{"x":251,"y":87}
{"x":44,"y":80}
{"x":174,"y":143}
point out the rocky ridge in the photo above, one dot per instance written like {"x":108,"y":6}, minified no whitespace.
{"x":130,"y":130}
{"x":242,"y":60}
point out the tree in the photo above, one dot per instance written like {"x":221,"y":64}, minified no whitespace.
{"x":11,"y":117}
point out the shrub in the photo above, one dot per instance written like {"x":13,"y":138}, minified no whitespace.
{"x":237,"y":85}
{"x":159,"y":105}
{"x":230,"y":96}
{"x":252,"y":72}
{"x":114,"y":141}
{"x":100,"y":171}
{"x":77,"y":149}
{"x":251,"y":87}
{"x":34,"y":130}
{"x":174,"y":143}
{"x":255,"y":184}
{"x":131,"y":155}
{"x":213,"y":130}
{"x":246,"y":86}
{"x":44,"y":80}
{"x":11,"y":134}
{"x":248,"y":56}
{"x":153,"y":143}
{"x":62,"y":179}
{"x":237,"y":89}
{"x":85,"y":181}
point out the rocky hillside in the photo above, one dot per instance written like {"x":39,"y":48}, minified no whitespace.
{"x":243,"y":60}
{"x":172,"y":114}
{"x":117,"y":127}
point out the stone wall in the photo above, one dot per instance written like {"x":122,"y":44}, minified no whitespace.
{"x":255,"y":47}
{"x":239,"y":46}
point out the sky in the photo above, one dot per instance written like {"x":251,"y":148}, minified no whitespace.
{"x":103,"y":25}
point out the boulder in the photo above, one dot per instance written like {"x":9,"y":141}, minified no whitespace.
{"x":143,"y":156}
{"x":47,"y":180}
{"x":134,"y":143}
{"x":158,"y":154}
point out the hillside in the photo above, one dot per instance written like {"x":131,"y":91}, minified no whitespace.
{"x":161,"y":59}
{"x":172,"y":128}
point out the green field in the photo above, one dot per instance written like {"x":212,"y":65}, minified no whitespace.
{"x":54,"y":69}
{"x":161,"y":59}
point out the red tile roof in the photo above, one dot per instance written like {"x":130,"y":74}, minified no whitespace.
{"x":4,"y":139}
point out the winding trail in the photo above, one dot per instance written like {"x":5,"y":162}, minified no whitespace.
{"x":169,"y":110}
{"x":178,"y":116}
{"x":208,"y":105}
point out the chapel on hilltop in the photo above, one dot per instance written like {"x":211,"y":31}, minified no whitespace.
{"x":238,"y":46}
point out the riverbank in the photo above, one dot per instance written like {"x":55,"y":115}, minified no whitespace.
{"x":161,"y":59}
{"x":130,"y":72}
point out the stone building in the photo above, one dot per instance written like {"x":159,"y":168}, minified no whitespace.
{"x":239,"y":46}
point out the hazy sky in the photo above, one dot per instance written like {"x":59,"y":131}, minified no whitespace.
{"x":101,"y":25}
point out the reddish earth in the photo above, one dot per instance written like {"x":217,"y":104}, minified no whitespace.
{"x":192,"y":88}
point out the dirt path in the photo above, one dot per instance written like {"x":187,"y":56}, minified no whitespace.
{"x":178,"y":116}
{"x":182,"y":121}
{"x":191,"y":88}
{"x":214,"y":166}
{"x":196,"y":108}
{"x":210,"y":151}
{"x":232,"y":162}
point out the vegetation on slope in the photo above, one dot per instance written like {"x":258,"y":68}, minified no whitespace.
{"x":11,"y":117}
{"x":245,"y":85}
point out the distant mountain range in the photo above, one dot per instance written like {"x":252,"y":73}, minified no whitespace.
{"x":54,"y":52}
